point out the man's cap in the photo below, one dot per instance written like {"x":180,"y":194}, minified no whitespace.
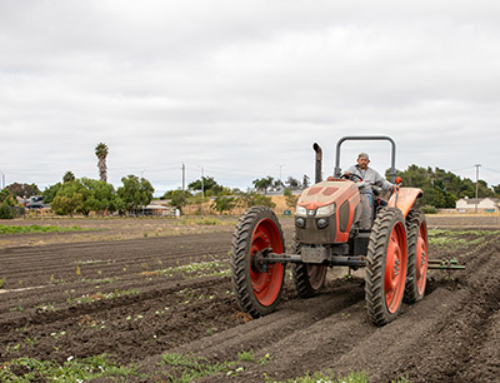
{"x":364,"y":155}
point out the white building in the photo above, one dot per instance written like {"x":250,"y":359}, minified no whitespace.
{"x":483,"y":205}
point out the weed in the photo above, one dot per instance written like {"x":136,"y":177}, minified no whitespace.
{"x":162,"y":311}
{"x":2,"y":281}
{"x":13,"y":229}
{"x":330,"y":377}
{"x":102,"y":296}
{"x":30,"y":342}
{"x":245,"y":356}
{"x":211,"y":330}
{"x":214,"y":268}
{"x":265,"y":359}
{"x":24,"y":370}
{"x":187,"y":369}
{"x":12,"y":349}
{"x":248,"y":356}
{"x":17,"y":308}
{"x":45,"y":308}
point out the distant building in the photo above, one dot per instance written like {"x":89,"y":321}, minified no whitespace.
{"x":483,"y":205}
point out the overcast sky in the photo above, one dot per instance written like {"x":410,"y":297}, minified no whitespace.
{"x":243,"y":89}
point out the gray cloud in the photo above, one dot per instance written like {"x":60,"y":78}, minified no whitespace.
{"x":239,"y":87}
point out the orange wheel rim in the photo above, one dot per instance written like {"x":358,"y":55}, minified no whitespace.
{"x":266,"y":286}
{"x":395,"y":268}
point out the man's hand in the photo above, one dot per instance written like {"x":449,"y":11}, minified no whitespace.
{"x":347,"y":173}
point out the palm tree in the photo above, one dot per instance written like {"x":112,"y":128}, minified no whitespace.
{"x":101,"y":151}
{"x":68,"y":176}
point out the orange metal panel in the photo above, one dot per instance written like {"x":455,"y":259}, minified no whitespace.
{"x":406,"y":199}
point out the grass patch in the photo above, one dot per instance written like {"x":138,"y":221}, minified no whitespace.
{"x":199,"y":269}
{"x":186,"y":369}
{"x":205,"y":221}
{"x":7,"y":229}
{"x":89,"y":298}
{"x":353,"y":377}
{"x":452,"y":238}
{"x":24,"y":370}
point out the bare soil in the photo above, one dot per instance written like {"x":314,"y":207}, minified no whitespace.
{"x":134,"y":300}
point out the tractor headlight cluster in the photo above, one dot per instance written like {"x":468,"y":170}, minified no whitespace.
{"x":325,"y":211}
{"x":300,"y":210}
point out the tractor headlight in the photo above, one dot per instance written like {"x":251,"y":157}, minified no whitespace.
{"x":325,"y":211}
{"x":300,"y":210}
{"x":300,"y":222}
{"x":321,"y":223}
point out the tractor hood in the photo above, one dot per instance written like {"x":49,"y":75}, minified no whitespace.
{"x":326,"y":193}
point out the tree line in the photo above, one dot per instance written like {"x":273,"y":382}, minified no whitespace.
{"x":222,"y":198}
{"x":443,"y":188}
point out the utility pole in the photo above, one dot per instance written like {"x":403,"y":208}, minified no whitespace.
{"x":280,"y":166}
{"x":477,"y":183}
{"x":202,"y":182}
{"x":183,"y":177}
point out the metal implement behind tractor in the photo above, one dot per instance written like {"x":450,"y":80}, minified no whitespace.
{"x":328,"y":234}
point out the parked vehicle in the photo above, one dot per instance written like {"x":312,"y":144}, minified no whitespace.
{"x":35,"y":202}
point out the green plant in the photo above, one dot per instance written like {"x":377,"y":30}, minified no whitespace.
{"x":30,"y":341}
{"x":45,"y":307}
{"x":12,"y":349}
{"x":2,"y":281}
{"x":25,"y":370}
{"x":330,"y":377}
{"x":213,"y":268}
{"x":13,"y":229}
{"x":186,"y":369}
{"x":246,"y":356}
{"x":429,"y":210}
{"x":101,"y":296}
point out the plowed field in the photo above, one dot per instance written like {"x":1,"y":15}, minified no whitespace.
{"x":164,"y":308}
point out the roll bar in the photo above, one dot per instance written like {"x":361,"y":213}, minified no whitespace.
{"x":392,"y":171}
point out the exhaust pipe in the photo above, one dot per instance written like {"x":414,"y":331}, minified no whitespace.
{"x":319,"y":160}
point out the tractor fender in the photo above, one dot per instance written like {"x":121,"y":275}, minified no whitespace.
{"x":406,"y":198}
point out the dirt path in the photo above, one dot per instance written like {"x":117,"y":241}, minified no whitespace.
{"x":139,"y":299}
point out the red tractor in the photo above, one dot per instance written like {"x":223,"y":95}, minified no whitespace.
{"x":328,"y":234}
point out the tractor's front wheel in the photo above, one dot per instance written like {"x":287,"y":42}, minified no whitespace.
{"x":387,"y":259}
{"x":309,"y":278}
{"x":257,"y":286}
{"x":416,"y":279}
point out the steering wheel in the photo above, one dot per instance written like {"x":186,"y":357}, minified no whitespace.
{"x":352,"y":177}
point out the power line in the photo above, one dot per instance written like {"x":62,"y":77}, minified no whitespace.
{"x":491,"y":170}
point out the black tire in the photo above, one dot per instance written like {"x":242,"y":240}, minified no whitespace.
{"x":416,"y":276}
{"x":384,"y":287}
{"x":309,"y":279}
{"x":257,"y":292}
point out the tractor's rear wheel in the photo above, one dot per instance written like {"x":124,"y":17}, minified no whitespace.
{"x":309,"y":278}
{"x":416,"y":278}
{"x":257,"y":286}
{"x":387,"y":259}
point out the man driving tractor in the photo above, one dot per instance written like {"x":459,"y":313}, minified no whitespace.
{"x":370,"y":177}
